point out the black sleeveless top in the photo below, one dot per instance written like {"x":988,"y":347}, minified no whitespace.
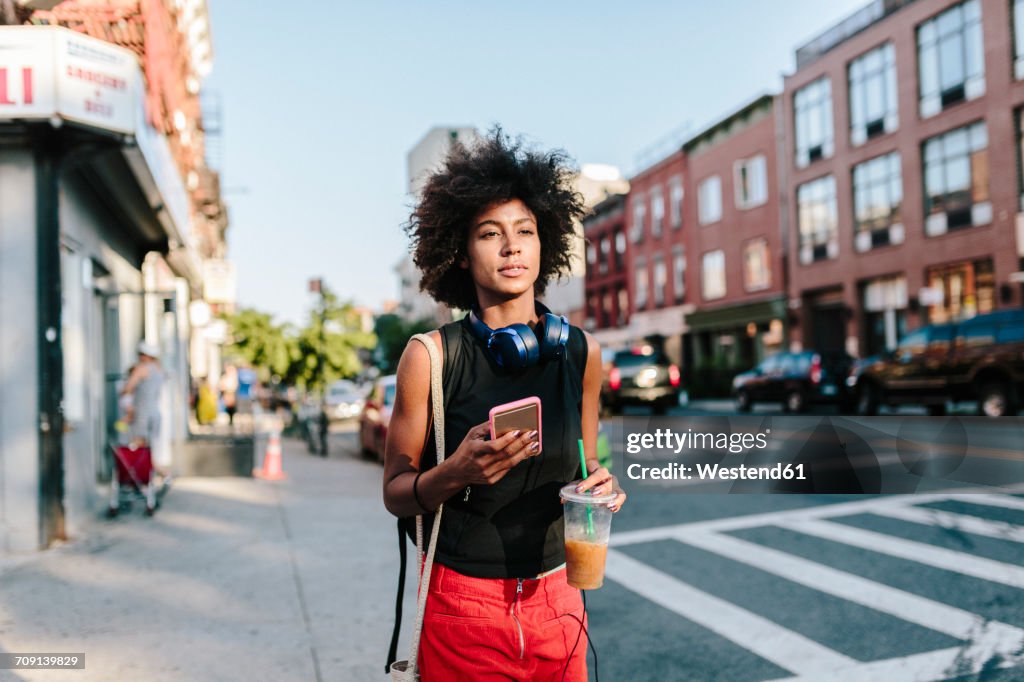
{"x":514,"y":528}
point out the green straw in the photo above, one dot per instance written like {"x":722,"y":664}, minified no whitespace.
{"x":590,"y":512}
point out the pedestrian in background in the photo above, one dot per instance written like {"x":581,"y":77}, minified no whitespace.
{"x":229,"y":392}
{"x":141,"y":398}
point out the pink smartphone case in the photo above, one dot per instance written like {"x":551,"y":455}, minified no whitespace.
{"x":513,"y":405}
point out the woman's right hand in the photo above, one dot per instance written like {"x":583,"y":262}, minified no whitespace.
{"x":478,"y":461}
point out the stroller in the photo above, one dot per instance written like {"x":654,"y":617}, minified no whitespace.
{"x":132,"y":479}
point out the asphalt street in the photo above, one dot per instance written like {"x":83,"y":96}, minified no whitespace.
{"x":703,"y":585}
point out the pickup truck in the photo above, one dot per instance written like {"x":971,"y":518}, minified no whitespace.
{"x":980,"y":359}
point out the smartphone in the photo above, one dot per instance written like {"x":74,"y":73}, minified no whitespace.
{"x":521,"y":415}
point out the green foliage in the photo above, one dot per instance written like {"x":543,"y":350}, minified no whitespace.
{"x":393,"y":333}
{"x":293,"y":355}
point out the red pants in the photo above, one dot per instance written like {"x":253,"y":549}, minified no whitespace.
{"x":485,"y":629}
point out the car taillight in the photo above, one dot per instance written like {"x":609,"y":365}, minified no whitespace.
{"x":816,"y":369}
{"x":615,"y":379}
{"x":673,"y":376}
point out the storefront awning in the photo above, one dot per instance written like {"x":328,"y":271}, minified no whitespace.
{"x":737,"y":315}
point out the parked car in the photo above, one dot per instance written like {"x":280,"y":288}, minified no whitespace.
{"x":373,"y":422}
{"x":344,"y":400}
{"x":980,"y":359}
{"x":796,"y":380}
{"x":641,"y":376}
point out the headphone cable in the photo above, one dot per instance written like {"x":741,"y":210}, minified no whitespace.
{"x":590,"y":642}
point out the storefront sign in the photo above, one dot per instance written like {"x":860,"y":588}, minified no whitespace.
{"x":48,"y":72}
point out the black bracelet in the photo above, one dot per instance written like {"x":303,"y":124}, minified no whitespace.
{"x":415,"y":492}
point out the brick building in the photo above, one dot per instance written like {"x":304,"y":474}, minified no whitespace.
{"x":902,"y":130}
{"x":606,"y":287}
{"x":735,"y":239}
{"x":656,"y":262}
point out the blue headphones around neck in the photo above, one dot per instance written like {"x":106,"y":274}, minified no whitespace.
{"x":516,"y":346}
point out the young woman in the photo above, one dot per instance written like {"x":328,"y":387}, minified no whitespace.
{"x":493,"y":226}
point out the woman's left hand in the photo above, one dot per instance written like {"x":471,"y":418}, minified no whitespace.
{"x":602,"y":482}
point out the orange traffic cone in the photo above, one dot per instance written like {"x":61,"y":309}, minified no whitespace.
{"x":272,"y":470}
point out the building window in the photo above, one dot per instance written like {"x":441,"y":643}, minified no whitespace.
{"x":657,"y":211}
{"x":592,"y":255}
{"x":641,"y":283}
{"x":1019,"y":118}
{"x":956,"y":180}
{"x":873,"y":108}
{"x":1018,"y":38}
{"x":877,"y":195}
{"x":751,"y":179}
{"x":756,"y":267}
{"x":885,"y":323}
{"x":709,"y":200}
{"x":639,"y":213}
{"x":950,"y":58}
{"x":678,"y":273}
{"x":675,"y":207}
{"x":960,"y":291}
{"x":812,"y":106}
{"x":606,"y":254}
{"x":620,"y":249}
{"x":623,"y":307}
{"x":660,"y":280}
{"x":816,"y":218}
{"x":712,"y":276}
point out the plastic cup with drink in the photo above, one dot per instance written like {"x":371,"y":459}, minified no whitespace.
{"x":588,"y":522}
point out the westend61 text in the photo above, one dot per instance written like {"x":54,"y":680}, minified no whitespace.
{"x":667,"y":439}
{"x":716,"y":472}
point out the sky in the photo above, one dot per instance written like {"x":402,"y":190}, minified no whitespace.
{"x":321,"y":101}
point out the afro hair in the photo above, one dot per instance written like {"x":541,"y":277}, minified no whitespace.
{"x":472,"y":179}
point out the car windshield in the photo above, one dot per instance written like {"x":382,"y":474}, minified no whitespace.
{"x":638,"y":359}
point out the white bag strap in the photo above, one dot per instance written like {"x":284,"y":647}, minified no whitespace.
{"x":437,"y":406}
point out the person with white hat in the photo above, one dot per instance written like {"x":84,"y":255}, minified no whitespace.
{"x":144,"y":385}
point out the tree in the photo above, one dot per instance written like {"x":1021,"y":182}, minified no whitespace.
{"x":292,"y":355}
{"x":255,"y":339}
{"x":337,"y":331}
{"x":393,"y":333}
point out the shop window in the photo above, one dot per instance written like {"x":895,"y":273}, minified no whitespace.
{"x":961,"y":291}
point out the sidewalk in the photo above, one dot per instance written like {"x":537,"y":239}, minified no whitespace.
{"x":232,"y":579}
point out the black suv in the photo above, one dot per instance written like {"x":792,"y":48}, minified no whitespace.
{"x":978,"y":359}
{"x":794,"y":379}
{"x":641,"y":376}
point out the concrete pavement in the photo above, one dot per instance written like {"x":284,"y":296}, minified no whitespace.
{"x":232,"y":579}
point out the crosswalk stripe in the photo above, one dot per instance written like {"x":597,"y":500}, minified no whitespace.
{"x":991,"y":499}
{"x":933,"y":665}
{"x":785,"y":648}
{"x":919,"y":552}
{"x":776,"y":517}
{"x":960,"y":522}
{"x":912,"y":608}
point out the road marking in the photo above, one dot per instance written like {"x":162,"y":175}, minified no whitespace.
{"x":958,"y":562}
{"x":934,"y":665}
{"x":953,"y":521}
{"x":912,"y":608}
{"x":783,"y":647}
{"x":993,"y":500}
{"x":817,"y":512}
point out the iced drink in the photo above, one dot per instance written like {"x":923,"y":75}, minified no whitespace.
{"x":587,"y":524}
